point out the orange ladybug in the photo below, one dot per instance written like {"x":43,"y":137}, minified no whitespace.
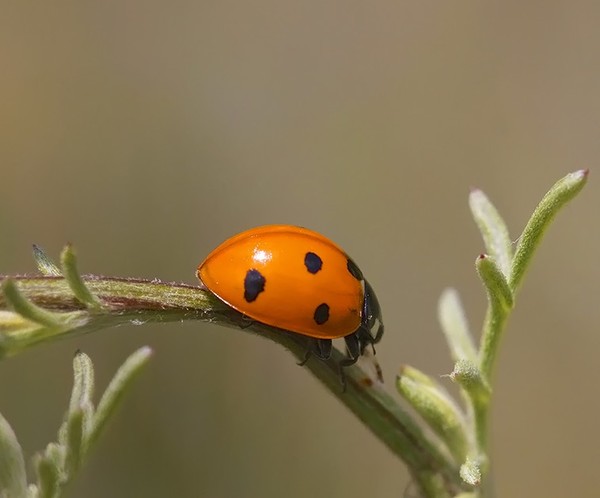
{"x":299,"y":281}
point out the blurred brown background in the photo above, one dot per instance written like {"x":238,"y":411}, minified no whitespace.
{"x":147,"y":132}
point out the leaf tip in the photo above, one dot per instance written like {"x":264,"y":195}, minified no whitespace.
{"x":579,"y":176}
{"x":45,"y":265}
{"x":146,"y":351}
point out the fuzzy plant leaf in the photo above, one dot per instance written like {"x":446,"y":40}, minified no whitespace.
{"x":75,"y":281}
{"x":48,"y":479}
{"x":114,"y":393}
{"x":57,"y":466}
{"x":501,"y":286}
{"x":493,"y":230}
{"x":72,"y":434}
{"x":500,"y":298}
{"x":454,"y":324}
{"x":84,"y":381}
{"x":498,"y":290}
{"x":468,"y":376}
{"x":73,"y":440}
{"x":470,"y":472}
{"x":562,"y":192}
{"x":13,"y":481}
{"x":26,"y":309}
{"x":45,"y":265}
{"x":437,"y":408}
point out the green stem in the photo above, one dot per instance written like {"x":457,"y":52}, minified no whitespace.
{"x":140,"y":301}
{"x":500,"y":301}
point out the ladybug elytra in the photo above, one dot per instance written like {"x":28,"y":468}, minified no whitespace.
{"x":297,"y":280}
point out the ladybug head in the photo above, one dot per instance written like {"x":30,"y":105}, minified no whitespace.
{"x":369,"y":332}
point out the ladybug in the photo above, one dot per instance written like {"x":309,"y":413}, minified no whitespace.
{"x":297,"y":280}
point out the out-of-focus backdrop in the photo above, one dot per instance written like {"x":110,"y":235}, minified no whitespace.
{"x":147,"y":132}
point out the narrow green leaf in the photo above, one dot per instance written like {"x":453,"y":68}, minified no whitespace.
{"x":82,"y":395}
{"x":83,"y":381}
{"x":55,"y":453}
{"x":493,"y":230}
{"x":115,"y":391}
{"x":563,"y":191}
{"x":11,"y":322}
{"x":498,"y":290}
{"x":468,"y":376}
{"x":455,"y":327}
{"x":437,"y":408}
{"x":33,"y":491}
{"x":48,"y":474}
{"x":470,"y":472}
{"x":500,"y":302}
{"x":74,"y":441}
{"x":44,"y":263}
{"x":478,"y":392}
{"x":13,"y":481}
{"x":47,"y":479}
{"x":76,"y":283}
{"x":18,"y":333}
{"x":26,"y":308}
{"x":432,"y":485}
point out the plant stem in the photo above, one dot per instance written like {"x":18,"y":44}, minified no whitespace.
{"x":140,"y":301}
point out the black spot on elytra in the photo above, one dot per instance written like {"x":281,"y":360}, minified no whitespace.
{"x":321,"y":313}
{"x":254,"y":284}
{"x":313,"y":262}
{"x":354,"y":270}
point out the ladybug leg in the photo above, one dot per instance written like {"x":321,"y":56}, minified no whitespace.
{"x":354,"y":347}
{"x":321,"y":347}
{"x":307,"y":355}
{"x":371,"y":317}
{"x":377,"y":338}
{"x":363,"y":338}
{"x":369,"y":339}
{"x":247,"y":322}
{"x":343,"y":379}
{"x":378,"y":334}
